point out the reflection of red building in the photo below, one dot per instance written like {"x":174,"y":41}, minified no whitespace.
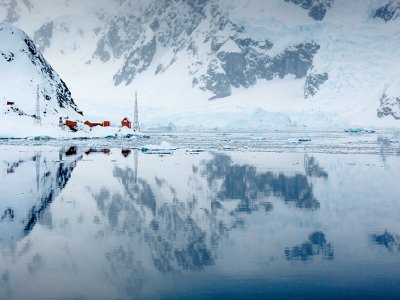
{"x":126,"y":152}
{"x":94,"y":150}
{"x":71,"y":151}
{"x":126,"y":123}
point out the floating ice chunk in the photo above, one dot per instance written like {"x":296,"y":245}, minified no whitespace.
{"x":359,"y":130}
{"x":39,"y":138}
{"x":163,"y":148}
{"x":195,"y":151}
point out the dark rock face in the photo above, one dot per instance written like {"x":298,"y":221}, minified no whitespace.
{"x":389,"y":106}
{"x":42,"y":37}
{"x":313,"y":82}
{"x":389,"y":11}
{"x":63,"y":94}
{"x":138,"y":61}
{"x":216,"y":81}
{"x":235,"y":67}
{"x":317,"y":9}
{"x":197,"y":5}
{"x":171,"y":25}
{"x":119,"y":38}
{"x":20,"y":48}
{"x":188,"y":27}
{"x":8,"y":56}
{"x":295,"y":60}
{"x":101,"y":51}
{"x":250,"y":61}
{"x":221,"y":55}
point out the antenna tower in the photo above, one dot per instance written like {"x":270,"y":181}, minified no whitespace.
{"x":38,"y":119}
{"x":136,"y":117}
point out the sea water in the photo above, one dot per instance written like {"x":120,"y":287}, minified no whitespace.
{"x":104,"y":220}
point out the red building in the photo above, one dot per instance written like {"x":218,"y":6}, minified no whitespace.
{"x":90,"y":124}
{"x":104,"y":124}
{"x":126,"y":123}
{"x":72,"y":125}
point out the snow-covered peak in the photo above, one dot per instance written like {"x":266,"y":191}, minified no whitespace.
{"x":23,"y":69}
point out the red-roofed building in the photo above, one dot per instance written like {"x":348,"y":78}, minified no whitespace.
{"x":126,"y":123}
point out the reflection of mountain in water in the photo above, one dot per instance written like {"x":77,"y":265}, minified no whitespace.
{"x":175,"y":239}
{"x":316,"y":245}
{"x":136,"y":188}
{"x":390,"y":241}
{"x":388,"y":146}
{"x":31,"y":184}
{"x":178,"y":242}
{"x":312,"y":167}
{"x":244,"y":183}
{"x":182,"y":233}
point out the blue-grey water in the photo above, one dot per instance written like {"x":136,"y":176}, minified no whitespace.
{"x":97,"y":222}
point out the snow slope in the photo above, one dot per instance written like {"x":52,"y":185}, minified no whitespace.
{"x":23,"y":68}
{"x":266,"y":64}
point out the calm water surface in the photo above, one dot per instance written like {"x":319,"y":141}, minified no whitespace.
{"x":112,"y":223}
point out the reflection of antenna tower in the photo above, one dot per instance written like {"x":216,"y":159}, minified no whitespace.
{"x":136,"y":117}
{"x":37,"y":162}
{"x":135,"y":174}
{"x":38,"y":119}
{"x":135,"y":166}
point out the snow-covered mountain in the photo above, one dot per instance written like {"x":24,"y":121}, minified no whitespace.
{"x":23,"y":68}
{"x":226,"y":64}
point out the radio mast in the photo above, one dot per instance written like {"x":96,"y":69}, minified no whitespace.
{"x":38,"y":119}
{"x":136,"y":117}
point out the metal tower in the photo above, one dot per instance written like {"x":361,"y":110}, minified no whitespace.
{"x":136,"y":117}
{"x":38,"y":119}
